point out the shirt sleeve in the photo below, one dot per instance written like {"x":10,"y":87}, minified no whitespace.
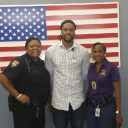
{"x":115,"y":75}
{"x":13,"y":70}
{"x":49,"y":64}
{"x":85,"y":65}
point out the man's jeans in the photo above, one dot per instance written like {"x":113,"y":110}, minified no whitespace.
{"x":76,"y":117}
{"x":106,"y":119}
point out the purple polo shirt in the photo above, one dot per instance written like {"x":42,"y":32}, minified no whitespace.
{"x":103,"y":79}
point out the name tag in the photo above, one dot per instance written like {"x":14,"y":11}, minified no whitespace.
{"x":74,"y":59}
{"x":97,"y":112}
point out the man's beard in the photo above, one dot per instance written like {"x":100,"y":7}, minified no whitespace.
{"x":72,"y":38}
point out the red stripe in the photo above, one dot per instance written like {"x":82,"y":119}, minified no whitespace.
{"x":9,"y":58}
{"x":116,"y":63}
{"x":87,"y":36}
{"x":79,"y":7}
{"x":87,"y":26}
{"x":21,"y":48}
{"x":112,"y":54}
{"x":110,"y":44}
{"x":80,"y":17}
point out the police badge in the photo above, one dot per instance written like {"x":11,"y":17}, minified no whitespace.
{"x":93,"y":84}
{"x":14,"y":63}
{"x":103,"y":73}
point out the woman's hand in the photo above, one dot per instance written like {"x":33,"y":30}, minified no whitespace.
{"x":23,"y":98}
{"x":119,"y":120}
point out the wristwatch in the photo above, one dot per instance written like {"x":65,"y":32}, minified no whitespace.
{"x":119,"y":112}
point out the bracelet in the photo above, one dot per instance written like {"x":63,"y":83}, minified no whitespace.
{"x":18,"y":96}
{"x":119,"y":112}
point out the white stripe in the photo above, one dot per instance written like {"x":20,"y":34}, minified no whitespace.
{"x":85,"y":21}
{"x":58,"y":4}
{"x":16,"y":53}
{"x":112,"y":49}
{"x":52,"y":42}
{"x":87,"y":31}
{"x":80,"y":12}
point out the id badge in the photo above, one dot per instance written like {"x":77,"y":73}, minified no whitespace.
{"x":74,"y":59}
{"x":97,"y":112}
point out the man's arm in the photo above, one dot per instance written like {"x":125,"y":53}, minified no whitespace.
{"x":85,"y":65}
{"x":49,"y":65}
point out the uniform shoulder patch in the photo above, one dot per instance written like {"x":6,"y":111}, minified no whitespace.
{"x":14,"y":63}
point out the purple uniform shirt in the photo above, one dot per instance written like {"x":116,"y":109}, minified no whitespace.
{"x":101,"y":82}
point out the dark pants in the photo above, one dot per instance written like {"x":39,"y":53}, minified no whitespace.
{"x":76,"y":117}
{"x":106,"y":119}
{"x":27,"y":118}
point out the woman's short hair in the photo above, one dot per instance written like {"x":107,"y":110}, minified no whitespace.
{"x":30,"y":39}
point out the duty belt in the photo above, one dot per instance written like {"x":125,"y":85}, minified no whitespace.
{"x":104,"y":100}
{"x":94,"y":103}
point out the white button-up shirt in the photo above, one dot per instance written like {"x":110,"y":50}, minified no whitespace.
{"x":68,"y":70}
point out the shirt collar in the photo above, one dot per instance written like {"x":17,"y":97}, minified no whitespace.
{"x":73,"y":46}
{"x":31,"y":60}
{"x":104,"y":63}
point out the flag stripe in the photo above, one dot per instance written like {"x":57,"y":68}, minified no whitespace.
{"x":86,"y":31}
{"x":78,"y":7}
{"x":44,"y":47}
{"x":86,"y":16}
{"x":9,"y":58}
{"x":85,"y":21}
{"x":86,"y":36}
{"x":52,"y":42}
{"x":112,"y":54}
{"x":20,"y":48}
{"x":87,"y":26}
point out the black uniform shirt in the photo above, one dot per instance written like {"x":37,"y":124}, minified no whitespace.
{"x":29,"y":77}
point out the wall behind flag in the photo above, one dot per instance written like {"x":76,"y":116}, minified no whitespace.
{"x":6,"y":116}
{"x":96,"y":22}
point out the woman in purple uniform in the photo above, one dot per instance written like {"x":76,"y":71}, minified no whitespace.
{"x":104,"y":92}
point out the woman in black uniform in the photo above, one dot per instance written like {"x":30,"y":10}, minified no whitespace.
{"x":28,"y":82}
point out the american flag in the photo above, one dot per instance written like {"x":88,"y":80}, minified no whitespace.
{"x":96,"y":22}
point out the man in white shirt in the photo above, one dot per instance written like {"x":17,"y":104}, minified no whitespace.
{"x":67,"y":63}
